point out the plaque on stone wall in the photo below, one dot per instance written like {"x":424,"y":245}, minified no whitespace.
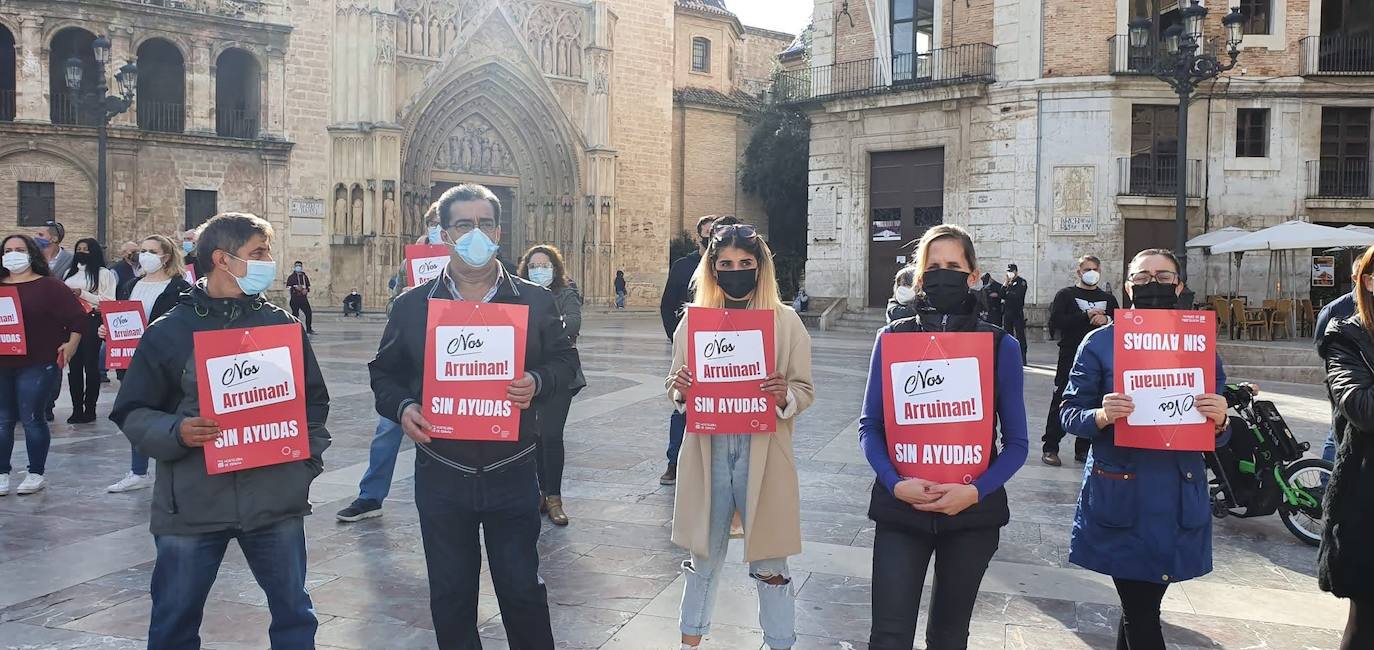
{"x":1075,"y":201}
{"x":823,"y":212}
{"x":306,"y":208}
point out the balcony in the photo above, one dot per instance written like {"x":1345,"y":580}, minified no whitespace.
{"x":1152,"y":175}
{"x":164,"y":117}
{"x":236,"y":124}
{"x":1346,"y":179}
{"x":961,"y":64}
{"x":7,"y":105}
{"x":1127,"y":60}
{"x":1338,"y":55}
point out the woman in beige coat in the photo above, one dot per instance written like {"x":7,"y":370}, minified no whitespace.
{"x":754,"y":474}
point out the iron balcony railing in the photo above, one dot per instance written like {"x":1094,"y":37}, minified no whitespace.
{"x":1338,"y":54}
{"x":1157,"y":175}
{"x":67,"y":108}
{"x":1339,"y":179}
{"x":7,"y":112}
{"x":1124,"y":59}
{"x":164,"y":117}
{"x":972,"y":63}
{"x":236,"y":124}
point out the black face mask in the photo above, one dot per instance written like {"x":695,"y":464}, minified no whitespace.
{"x":738,"y":284}
{"x":1154,"y":296}
{"x":947,"y":291}
{"x":83,"y":259}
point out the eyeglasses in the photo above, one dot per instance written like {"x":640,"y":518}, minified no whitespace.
{"x":1162,"y":277}
{"x":736,"y":229}
{"x":466,"y":227}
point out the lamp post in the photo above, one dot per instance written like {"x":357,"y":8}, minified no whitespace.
{"x":1180,"y":60}
{"x":104,"y":108}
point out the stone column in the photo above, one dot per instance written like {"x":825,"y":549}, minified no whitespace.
{"x":123,"y":224}
{"x":31,"y":72}
{"x":200,"y":91}
{"x":274,"y":93}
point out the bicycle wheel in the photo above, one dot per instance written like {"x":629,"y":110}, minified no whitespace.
{"x":1308,"y":477}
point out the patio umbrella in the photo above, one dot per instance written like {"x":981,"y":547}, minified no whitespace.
{"x":1206,"y":240}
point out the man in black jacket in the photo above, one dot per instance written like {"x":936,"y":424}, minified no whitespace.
{"x":459,"y":484}
{"x":1014,"y":307}
{"x":677,"y":294}
{"x":992,"y":297}
{"x":1076,"y":310}
{"x":194,"y":514}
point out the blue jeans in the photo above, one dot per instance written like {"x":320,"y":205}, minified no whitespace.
{"x":381,"y":461}
{"x":188,"y":564}
{"x":1329,"y":447}
{"x":620,"y":300}
{"x":138,"y":463}
{"x":24,"y":394}
{"x":729,"y":492}
{"x":677,"y":426}
{"x":505,"y":505}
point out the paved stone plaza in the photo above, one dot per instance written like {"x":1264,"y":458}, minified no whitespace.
{"x":75,"y":562}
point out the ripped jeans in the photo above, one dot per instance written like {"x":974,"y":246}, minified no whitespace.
{"x":777,"y":602}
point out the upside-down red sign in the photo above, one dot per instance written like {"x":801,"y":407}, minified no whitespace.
{"x":12,"y":339}
{"x":730,"y":354}
{"x":473,"y":351}
{"x":1164,"y":359}
{"x":252,"y":384}
{"x":424,"y":262}
{"x":124,"y":325}
{"x":937,"y":404}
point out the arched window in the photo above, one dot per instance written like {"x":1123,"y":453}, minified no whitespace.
{"x":237,"y":93}
{"x":7,"y":75}
{"x":161,"y":96}
{"x":701,"y":54}
{"x":66,"y":105}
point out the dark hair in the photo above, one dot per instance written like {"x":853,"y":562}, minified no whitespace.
{"x":37,"y":263}
{"x":1150,"y":252}
{"x":619,"y":274}
{"x":56,"y":229}
{"x":727,"y":220}
{"x":560,"y":279}
{"x":228,"y":232}
{"x":710,"y":218}
{"x":466,"y":192}
{"x":95,"y":261}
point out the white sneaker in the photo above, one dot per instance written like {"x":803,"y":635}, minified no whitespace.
{"x":4,"y":484}
{"x":130,"y":483}
{"x":32,"y":483}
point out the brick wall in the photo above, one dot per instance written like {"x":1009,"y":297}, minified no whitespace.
{"x":1261,"y":61}
{"x":708,"y":163}
{"x":75,"y":191}
{"x":1076,"y":36}
{"x":724,"y":41}
{"x":971,"y":23}
{"x":307,"y":116}
{"x":854,"y":42}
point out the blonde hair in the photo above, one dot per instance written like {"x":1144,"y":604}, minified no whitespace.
{"x":708,"y":292}
{"x":175,"y":265}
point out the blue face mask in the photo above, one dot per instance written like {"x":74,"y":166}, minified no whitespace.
{"x":476,"y":248}
{"x":541,"y":276}
{"x":436,"y":234}
{"x":42,"y":242}
{"x":187,"y":247}
{"x":259,"y":278}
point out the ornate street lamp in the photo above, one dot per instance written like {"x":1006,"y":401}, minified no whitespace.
{"x":1183,"y":62}
{"x":103,"y":108}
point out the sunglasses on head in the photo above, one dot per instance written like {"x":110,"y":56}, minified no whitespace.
{"x":735,"y":229}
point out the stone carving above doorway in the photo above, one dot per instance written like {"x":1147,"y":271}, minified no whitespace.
{"x":476,"y":148}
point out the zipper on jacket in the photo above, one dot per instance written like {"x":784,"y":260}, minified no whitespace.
{"x":171,"y":489}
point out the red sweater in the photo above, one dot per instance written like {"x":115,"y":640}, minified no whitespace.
{"x":51,"y":314}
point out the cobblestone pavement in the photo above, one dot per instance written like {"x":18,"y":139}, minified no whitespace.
{"x":75,"y":562}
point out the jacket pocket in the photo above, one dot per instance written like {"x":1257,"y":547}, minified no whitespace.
{"x":1194,"y":503}
{"x":1112,"y":497}
{"x":164,"y":489}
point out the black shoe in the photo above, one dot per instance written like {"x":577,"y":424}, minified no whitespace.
{"x":85,"y":417}
{"x":359,"y":510}
{"x":669,"y":477}
{"x":49,"y":416}
{"x":104,"y":378}
{"x":1080,"y":459}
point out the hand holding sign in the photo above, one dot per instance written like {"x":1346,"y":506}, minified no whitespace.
{"x":521,"y":391}
{"x":682,"y":381}
{"x":197,"y":432}
{"x":414,"y":425}
{"x":1114,"y":407}
{"x":776,"y":386}
{"x":1212,"y":407}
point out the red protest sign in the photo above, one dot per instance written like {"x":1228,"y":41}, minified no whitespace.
{"x":12,"y":339}
{"x":730,"y":354}
{"x":252,"y":384}
{"x":473,"y":351}
{"x":424,"y":262}
{"x":937,"y":404}
{"x":1164,"y":359}
{"x":124,"y":325}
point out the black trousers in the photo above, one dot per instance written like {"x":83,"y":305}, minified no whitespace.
{"x":553,"y":416}
{"x":1054,"y":427}
{"x":901,"y":557}
{"x":1015,"y":324}
{"x":303,"y":305}
{"x":1359,"y":627}
{"x":83,"y":373}
{"x":1140,"y":627}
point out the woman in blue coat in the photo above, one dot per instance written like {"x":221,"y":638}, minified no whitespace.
{"x":1144,"y":516}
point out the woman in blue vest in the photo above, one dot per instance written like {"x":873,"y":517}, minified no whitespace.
{"x":1144,"y":516}
{"x":959,"y":524}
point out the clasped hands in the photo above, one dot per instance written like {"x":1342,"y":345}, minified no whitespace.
{"x":929,"y":496}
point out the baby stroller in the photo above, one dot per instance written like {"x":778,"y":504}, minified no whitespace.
{"x":1261,"y":469}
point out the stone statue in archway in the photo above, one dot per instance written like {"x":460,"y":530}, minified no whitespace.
{"x":388,"y":212}
{"x":356,"y":224}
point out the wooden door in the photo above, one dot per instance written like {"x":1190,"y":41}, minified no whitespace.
{"x":906,"y":197}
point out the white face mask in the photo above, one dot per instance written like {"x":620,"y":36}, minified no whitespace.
{"x":904,"y":295}
{"x":1091,"y":278}
{"x":16,"y":262}
{"x":149,"y":262}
